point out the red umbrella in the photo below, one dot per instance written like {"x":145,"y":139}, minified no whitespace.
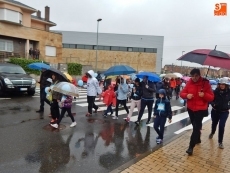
{"x":84,"y":78}
{"x":208,"y":57}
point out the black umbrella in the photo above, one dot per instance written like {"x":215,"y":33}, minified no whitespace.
{"x":61,"y":76}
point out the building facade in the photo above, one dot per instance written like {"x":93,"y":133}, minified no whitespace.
{"x":21,"y":31}
{"x":142,"y":52}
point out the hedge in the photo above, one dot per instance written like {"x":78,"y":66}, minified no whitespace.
{"x":74,"y":68}
{"x":24,"y":64}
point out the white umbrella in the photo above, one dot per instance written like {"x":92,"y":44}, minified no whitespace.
{"x":66,"y":88}
{"x":178,"y":75}
{"x":162,"y":75}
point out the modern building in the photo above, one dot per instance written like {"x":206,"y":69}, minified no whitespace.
{"x":20,"y":31}
{"x":142,"y":52}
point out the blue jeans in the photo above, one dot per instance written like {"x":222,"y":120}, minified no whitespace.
{"x":109,"y":109}
{"x":160,"y":121}
{"x":221,"y":118}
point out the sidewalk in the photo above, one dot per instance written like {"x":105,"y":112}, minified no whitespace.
{"x":172,"y":158}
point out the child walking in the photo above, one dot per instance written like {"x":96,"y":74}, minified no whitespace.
{"x":162,"y":111}
{"x":109,"y":98}
{"x":66,"y":103}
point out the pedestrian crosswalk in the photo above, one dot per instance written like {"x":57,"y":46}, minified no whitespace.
{"x":180,"y":115}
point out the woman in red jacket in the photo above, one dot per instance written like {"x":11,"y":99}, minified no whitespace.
{"x":198,"y":93}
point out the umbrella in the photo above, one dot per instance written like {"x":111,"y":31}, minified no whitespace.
{"x":178,"y":75}
{"x":170,"y":75}
{"x":186,"y":78}
{"x":208,"y":57}
{"x":38,"y":66}
{"x":66,"y":88}
{"x":151,"y":76}
{"x":68,"y":76}
{"x":212,"y":82}
{"x":114,"y":77}
{"x":162,"y":75}
{"x":61,"y":77}
{"x":119,"y":70}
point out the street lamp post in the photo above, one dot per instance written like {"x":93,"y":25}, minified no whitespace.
{"x":98,"y":20}
{"x":181,"y":62}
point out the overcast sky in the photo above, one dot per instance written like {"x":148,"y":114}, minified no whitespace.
{"x":185,"y":24}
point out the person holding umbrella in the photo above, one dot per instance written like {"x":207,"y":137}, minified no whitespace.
{"x":220,"y":109}
{"x":93,"y":89}
{"x":43,"y":84}
{"x":147,"y":99}
{"x":198,"y":93}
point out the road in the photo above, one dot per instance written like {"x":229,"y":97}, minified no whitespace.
{"x":29,"y":144}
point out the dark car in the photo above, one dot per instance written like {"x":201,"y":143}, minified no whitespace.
{"x":14,"y":79}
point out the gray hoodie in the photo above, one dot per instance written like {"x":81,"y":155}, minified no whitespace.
{"x":93,"y":88}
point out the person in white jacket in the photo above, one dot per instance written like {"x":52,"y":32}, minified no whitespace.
{"x":93,"y":89}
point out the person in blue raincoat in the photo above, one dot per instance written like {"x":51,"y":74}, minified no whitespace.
{"x":162,"y":111}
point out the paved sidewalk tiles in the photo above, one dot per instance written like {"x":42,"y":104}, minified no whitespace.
{"x":172,"y":158}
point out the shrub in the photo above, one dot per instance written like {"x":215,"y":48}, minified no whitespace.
{"x":74,"y":68}
{"x":24,"y":64}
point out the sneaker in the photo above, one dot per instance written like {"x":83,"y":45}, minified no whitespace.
{"x":127,"y":119}
{"x":105,"y":116}
{"x":211,"y":136}
{"x":54,"y":126}
{"x":115,"y":118}
{"x":159,"y":141}
{"x":221,"y":146}
{"x":137,"y":123}
{"x":157,"y":137}
{"x":147,"y":122}
{"x":73,"y":124}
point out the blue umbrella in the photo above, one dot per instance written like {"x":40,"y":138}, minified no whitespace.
{"x":119,"y":70}
{"x":212,"y":82}
{"x":151,"y":76}
{"x":38,"y":66}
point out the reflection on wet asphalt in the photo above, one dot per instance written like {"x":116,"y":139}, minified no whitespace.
{"x":96,"y":144}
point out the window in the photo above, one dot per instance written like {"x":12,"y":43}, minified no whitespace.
{"x":130,"y":49}
{"x":10,"y":15}
{"x":149,"y":50}
{"x":50,"y":51}
{"x":100,"y":47}
{"x":72,"y":46}
{"x":88,"y":47}
{"x":94,"y":47}
{"x":123,"y":48}
{"x":65,"y":45}
{"x":106,"y":47}
{"x":141,"y":49}
{"x":80,"y":46}
{"x":135,"y":49}
{"x":154,"y":50}
{"x":6,"y":45}
{"x":114,"y":48}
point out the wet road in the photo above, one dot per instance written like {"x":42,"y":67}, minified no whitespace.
{"x":96,"y":144}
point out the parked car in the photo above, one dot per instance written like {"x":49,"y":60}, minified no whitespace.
{"x":14,"y":79}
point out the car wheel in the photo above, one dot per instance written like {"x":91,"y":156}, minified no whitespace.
{"x":31,"y":93}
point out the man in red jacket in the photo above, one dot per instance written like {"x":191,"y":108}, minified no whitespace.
{"x":198,"y":93}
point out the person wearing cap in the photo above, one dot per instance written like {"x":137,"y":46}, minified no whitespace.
{"x":147,"y":99}
{"x":43,"y":84}
{"x":136,"y":94}
{"x":220,"y":110}
{"x":198,"y":93}
{"x":162,"y":111}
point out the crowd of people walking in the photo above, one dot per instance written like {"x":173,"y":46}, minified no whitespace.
{"x":196,"y":93}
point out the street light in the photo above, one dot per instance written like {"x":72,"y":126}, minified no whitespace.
{"x":98,"y":20}
{"x":181,"y":62}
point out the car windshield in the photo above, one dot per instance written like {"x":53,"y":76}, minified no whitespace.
{"x":12,"y":70}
